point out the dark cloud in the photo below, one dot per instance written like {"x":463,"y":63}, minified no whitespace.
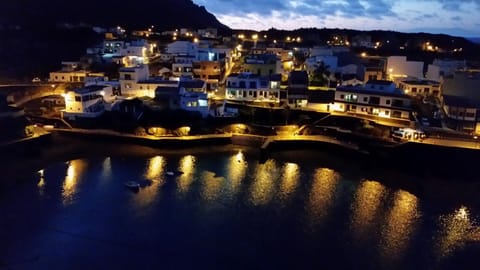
{"x":456,"y":18}
{"x":454,"y":5}
{"x":318,"y":8}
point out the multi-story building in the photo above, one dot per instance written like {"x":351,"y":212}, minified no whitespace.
{"x":399,"y":66}
{"x":87,"y":102}
{"x":414,"y":87}
{"x":209,"y":71}
{"x":377,"y":99}
{"x":247,"y":87}
{"x":262,"y":64}
{"x":297,"y":90}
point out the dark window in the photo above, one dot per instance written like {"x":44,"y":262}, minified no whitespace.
{"x":469,"y":114}
{"x":259,"y":71}
{"x":78,"y":98}
{"x":128,"y":76}
{"x":397,"y":103}
{"x":374,"y":100}
{"x":396,"y":114}
{"x":342,"y":96}
{"x":387,"y":113}
{"x":427,"y":90}
{"x":388,"y":102}
{"x":414,"y":89}
{"x":253,"y":85}
{"x":365,"y":99}
{"x":242,"y":84}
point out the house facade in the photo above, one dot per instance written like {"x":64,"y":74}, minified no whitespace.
{"x":66,"y":76}
{"x":378,"y":99}
{"x":247,"y":87}
{"x":87,"y":102}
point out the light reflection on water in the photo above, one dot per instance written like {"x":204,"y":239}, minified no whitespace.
{"x":289,"y":181}
{"x":187,"y":167}
{"x":266,"y":177}
{"x":107,"y":169}
{"x":400,"y":225}
{"x":321,"y":195}
{"x":154,"y":173}
{"x":373,"y":212}
{"x":211,"y":186}
{"x":366,"y":208}
{"x":75,"y":170}
{"x":236,"y":171}
{"x":456,"y":230}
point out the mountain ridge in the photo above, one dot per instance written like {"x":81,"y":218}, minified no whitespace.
{"x":165,"y":14}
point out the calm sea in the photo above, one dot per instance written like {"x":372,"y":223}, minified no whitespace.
{"x":228,"y":211}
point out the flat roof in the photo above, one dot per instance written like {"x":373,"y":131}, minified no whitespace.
{"x":89,"y":89}
{"x":362,"y":90}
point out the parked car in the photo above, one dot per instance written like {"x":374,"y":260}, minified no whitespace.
{"x":36,"y":79}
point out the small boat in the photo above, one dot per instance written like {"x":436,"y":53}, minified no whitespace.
{"x":173,"y":173}
{"x":132,"y":185}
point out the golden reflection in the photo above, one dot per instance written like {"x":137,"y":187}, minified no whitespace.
{"x":153,"y":172}
{"x":289,"y":182}
{"x":155,"y":168}
{"x":401,"y":224}
{"x":237,"y":168}
{"x":368,"y":199}
{"x":211,"y":186}
{"x":41,"y":182}
{"x":456,"y":230}
{"x":107,"y":168}
{"x":262,"y":189}
{"x":321,"y":196}
{"x":76,"y":169}
{"x":187,"y":166}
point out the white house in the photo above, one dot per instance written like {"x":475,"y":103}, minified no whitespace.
{"x":87,"y":102}
{"x":194,"y":101}
{"x":72,"y":76}
{"x":182,"y":48}
{"x":399,"y":66}
{"x":378,"y":99}
{"x":130,"y":76}
{"x":253,"y":88}
{"x":441,"y":68}
{"x":330,"y":61}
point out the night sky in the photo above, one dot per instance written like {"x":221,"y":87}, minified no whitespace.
{"x":454,"y":17}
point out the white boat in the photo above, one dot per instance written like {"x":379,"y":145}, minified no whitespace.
{"x":173,"y":173}
{"x":132,"y":185}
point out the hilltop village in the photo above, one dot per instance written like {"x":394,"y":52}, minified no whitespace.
{"x":197,"y":81}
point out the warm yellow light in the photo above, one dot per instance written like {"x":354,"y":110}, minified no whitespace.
{"x":364,"y":54}
{"x":155,"y":168}
{"x":195,"y":40}
{"x":255,"y":36}
{"x":299,"y":39}
{"x":241,"y":36}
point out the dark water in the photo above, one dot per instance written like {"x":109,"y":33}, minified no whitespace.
{"x":227,"y":211}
